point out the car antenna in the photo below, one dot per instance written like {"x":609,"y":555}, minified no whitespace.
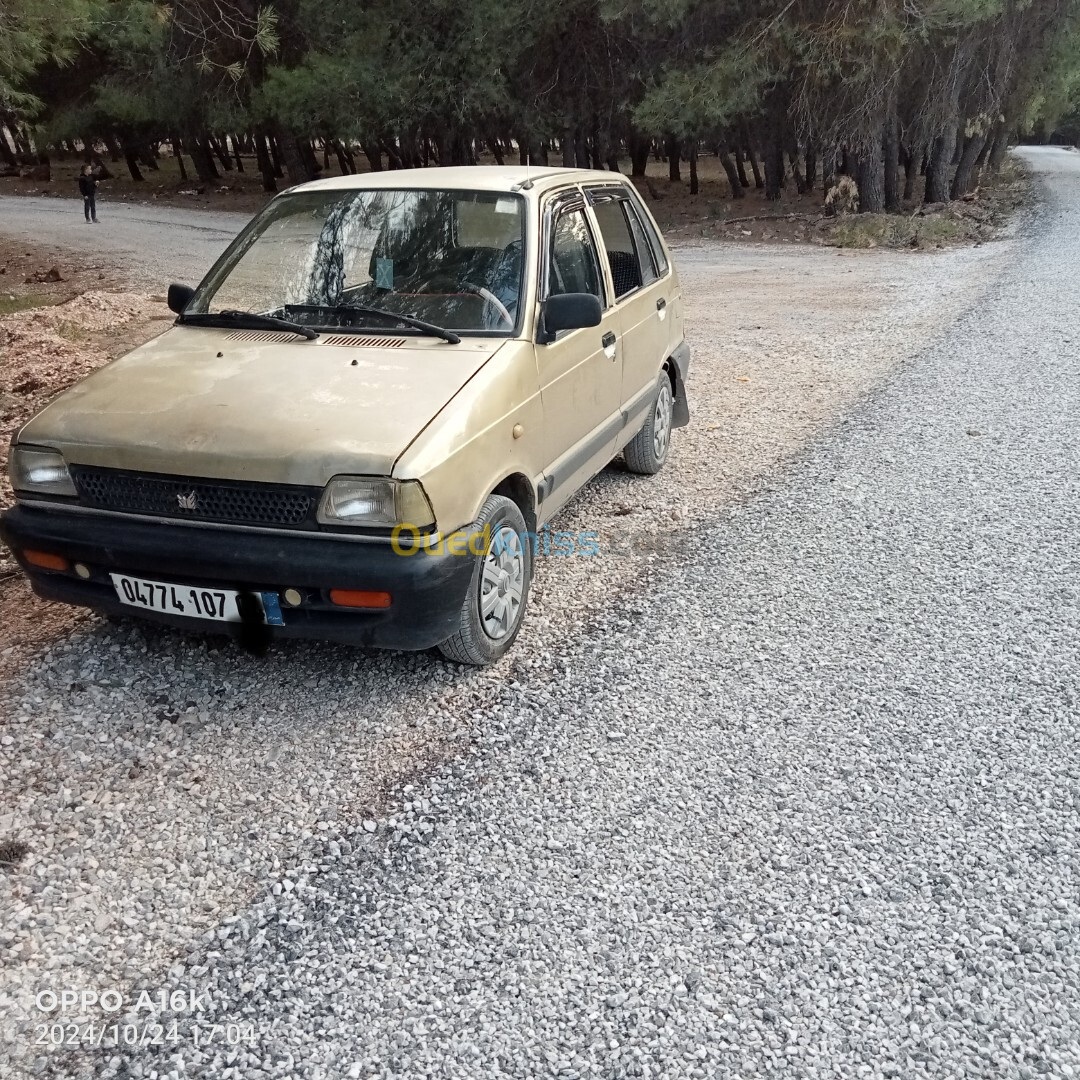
{"x":527,"y":183}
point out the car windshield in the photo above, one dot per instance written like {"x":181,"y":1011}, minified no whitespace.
{"x":318,"y":258}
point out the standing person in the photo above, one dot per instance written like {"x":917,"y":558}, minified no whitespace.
{"x":88,"y":187}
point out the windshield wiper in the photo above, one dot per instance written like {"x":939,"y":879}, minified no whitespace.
{"x":247,"y":320}
{"x":408,"y":320}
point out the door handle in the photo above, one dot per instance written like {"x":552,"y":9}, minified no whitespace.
{"x":661,"y":304}
{"x":608,"y":341}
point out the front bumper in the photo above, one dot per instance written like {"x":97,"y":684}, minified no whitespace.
{"x":428,"y":588}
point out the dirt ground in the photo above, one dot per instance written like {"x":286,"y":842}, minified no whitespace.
{"x":710,"y":213}
{"x":61,"y":317}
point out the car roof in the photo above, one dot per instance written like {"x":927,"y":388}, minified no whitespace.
{"x":465,"y":177}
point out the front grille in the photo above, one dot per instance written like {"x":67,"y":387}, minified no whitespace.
{"x":225,"y":501}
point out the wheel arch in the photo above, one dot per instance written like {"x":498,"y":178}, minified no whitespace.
{"x":519,"y":490}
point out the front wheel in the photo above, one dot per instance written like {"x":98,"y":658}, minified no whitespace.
{"x":494,"y":606}
{"x":648,"y":450}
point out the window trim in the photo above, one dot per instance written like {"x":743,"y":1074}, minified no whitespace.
{"x":652,"y":232}
{"x":565,"y":201}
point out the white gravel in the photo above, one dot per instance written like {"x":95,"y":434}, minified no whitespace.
{"x":797,"y":797}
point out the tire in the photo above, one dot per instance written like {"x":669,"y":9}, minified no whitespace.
{"x":481,"y":639}
{"x":648,"y":449}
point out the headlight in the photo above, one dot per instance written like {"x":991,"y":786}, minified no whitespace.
{"x":358,"y":500}
{"x":39,"y":470}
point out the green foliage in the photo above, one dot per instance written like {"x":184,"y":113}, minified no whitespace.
{"x":33,"y":33}
{"x":400,"y":74}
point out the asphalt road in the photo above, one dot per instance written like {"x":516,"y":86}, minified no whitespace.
{"x":802,"y":801}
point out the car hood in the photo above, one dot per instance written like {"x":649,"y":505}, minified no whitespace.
{"x":249,"y":405}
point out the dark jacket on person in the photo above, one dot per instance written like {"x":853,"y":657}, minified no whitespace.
{"x":87,"y":186}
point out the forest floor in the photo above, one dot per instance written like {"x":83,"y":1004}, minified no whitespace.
{"x":710,"y":213}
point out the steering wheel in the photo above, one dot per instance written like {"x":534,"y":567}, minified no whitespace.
{"x":488,"y":296}
{"x":477,"y":290}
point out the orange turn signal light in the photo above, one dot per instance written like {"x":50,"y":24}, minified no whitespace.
{"x":359,"y":598}
{"x":45,"y":560}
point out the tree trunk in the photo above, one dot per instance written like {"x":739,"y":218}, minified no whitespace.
{"x":275,"y":156}
{"x":496,"y":152}
{"x":569,"y":153}
{"x":693,"y":166}
{"x":980,"y":161}
{"x":671,"y":148}
{"x":236,"y":154}
{"x":639,"y":154}
{"x":296,"y":166}
{"x":7,"y":155}
{"x":740,"y":169}
{"x":937,"y":175}
{"x":201,"y":159}
{"x":179,"y":155}
{"x":871,"y":191}
{"x":339,"y":153}
{"x":911,"y":171}
{"x":828,"y":170}
{"x":774,"y":170}
{"x":219,"y":152}
{"x":811,"y":166}
{"x":581,"y":149}
{"x":892,"y":161}
{"x":759,"y":180}
{"x":964,"y":178}
{"x":373,"y":154}
{"x":266,"y":164}
{"x":734,"y":179}
{"x":1001,"y":147}
{"x":132,"y":164}
{"x":307,"y":152}
{"x":800,"y":181}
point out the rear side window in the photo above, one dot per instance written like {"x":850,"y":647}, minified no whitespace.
{"x":625,"y":269}
{"x":654,"y":239}
{"x":574,"y":264}
{"x":645,"y":253}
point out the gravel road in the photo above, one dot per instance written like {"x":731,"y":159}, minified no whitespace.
{"x":792,"y":789}
{"x":155,"y":244}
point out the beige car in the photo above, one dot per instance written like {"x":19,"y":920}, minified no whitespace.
{"x":365,"y":414}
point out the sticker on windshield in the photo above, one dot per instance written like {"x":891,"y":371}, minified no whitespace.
{"x":506,"y":206}
{"x":384,"y":273}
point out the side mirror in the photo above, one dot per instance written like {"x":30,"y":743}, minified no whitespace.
{"x":179,"y":297}
{"x":570,"y":311}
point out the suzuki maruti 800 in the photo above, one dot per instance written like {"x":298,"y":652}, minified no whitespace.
{"x":380,"y":390}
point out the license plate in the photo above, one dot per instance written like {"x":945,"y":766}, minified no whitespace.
{"x":194,"y":601}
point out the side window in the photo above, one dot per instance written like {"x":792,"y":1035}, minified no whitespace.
{"x":625,"y":271}
{"x":574,"y":265}
{"x":645,"y":253}
{"x":654,"y":239}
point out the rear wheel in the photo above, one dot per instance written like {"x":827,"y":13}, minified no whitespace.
{"x":648,"y":450}
{"x":498,"y":595}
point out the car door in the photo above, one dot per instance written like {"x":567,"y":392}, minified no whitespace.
{"x":641,"y":302}
{"x":580,"y":371}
